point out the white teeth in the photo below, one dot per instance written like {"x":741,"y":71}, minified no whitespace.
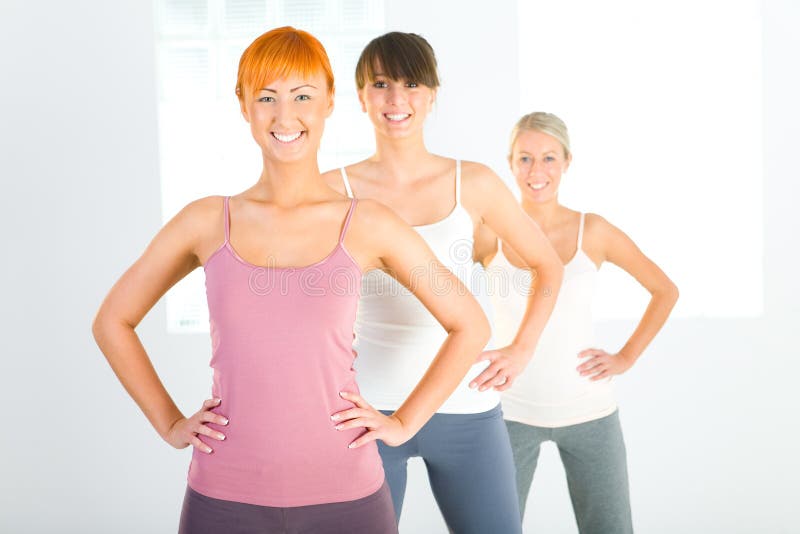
{"x":397,"y":116}
{"x":286,"y":138}
{"x":537,"y":187}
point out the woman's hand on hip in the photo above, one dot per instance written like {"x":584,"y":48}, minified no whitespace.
{"x":187,"y":431}
{"x":386,"y":428}
{"x":600,"y":364}
{"x":506,"y":365}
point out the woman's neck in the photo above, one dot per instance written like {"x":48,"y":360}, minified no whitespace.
{"x":401,"y":158}
{"x":544,"y":213}
{"x":290,"y":184}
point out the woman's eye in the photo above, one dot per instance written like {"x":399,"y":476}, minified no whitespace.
{"x":524,"y":159}
{"x":379,"y":85}
{"x":266,"y":99}
{"x":411,"y":84}
{"x":302,"y":97}
{"x":549,"y":158}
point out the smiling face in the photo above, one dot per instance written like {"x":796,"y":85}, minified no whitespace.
{"x":397,"y":108}
{"x":287,"y":116}
{"x":396,"y":78}
{"x":537,"y":161}
{"x":285,"y":90}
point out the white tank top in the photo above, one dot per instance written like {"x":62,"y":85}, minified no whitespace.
{"x":550,"y":392}
{"x":397,"y":337}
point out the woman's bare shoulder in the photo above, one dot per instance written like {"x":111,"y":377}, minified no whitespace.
{"x":201,"y":212}
{"x":335,"y":177}
{"x":477,"y":172}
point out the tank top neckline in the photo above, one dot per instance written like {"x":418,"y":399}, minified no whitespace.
{"x":324,"y":260}
{"x":440,"y":221}
{"x":574,"y":257}
{"x":339,"y":246}
{"x":444,"y":219}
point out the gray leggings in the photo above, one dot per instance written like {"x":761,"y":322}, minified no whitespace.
{"x":593,"y":454}
{"x":206,"y":515}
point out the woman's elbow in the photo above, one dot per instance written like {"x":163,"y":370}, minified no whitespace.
{"x":553,"y":275}
{"x":104,"y":325}
{"x":668,"y":294}
{"x":551,"y":265}
{"x":97,"y":325}
{"x":100,"y":327}
{"x":672,"y":292}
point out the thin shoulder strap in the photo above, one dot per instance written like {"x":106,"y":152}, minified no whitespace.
{"x":347,"y":184}
{"x":458,"y":182}
{"x":580,"y":231}
{"x":227,"y":219}
{"x":347,"y":219}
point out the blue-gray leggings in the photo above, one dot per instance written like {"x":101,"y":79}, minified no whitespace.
{"x":470,"y":467}
{"x":593,"y":454}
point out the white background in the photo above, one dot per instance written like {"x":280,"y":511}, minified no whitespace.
{"x":663,"y":103}
{"x":708,"y":413}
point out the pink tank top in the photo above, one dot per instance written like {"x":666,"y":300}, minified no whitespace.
{"x":281,"y":341}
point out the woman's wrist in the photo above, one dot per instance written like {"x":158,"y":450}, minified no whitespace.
{"x":520,"y":351}
{"x":628,"y":356}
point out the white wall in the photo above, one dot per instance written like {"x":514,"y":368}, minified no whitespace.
{"x":711,"y":437}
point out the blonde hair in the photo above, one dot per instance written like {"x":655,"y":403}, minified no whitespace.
{"x":547,"y":123}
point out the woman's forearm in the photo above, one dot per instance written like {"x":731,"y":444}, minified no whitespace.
{"x":129,"y":361}
{"x":457,"y":354}
{"x":656,"y":314}
{"x":544,"y":290}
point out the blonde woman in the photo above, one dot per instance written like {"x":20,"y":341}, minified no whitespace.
{"x":565,"y":394}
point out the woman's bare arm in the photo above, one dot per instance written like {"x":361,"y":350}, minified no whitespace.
{"x":401,"y":252}
{"x":605,"y":242}
{"x":501,"y":212}
{"x":170,"y":256}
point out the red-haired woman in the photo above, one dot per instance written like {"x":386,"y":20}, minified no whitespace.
{"x":283,"y":262}
{"x":465,"y":446}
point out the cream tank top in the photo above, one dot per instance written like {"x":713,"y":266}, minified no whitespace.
{"x":550,"y":392}
{"x":396,"y":337}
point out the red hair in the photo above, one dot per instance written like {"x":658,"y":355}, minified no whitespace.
{"x":281,"y":53}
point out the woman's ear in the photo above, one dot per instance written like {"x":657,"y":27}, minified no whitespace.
{"x":243,"y":106}
{"x":567,"y":162}
{"x":360,"y":93}
{"x":330,"y":105}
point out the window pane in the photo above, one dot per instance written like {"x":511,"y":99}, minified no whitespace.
{"x":665,"y":122}
{"x":246,"y":17}
{"x":184,"y":72}
{"x":180,"y":17}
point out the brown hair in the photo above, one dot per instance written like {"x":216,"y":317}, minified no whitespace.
{"x":400,"y":56}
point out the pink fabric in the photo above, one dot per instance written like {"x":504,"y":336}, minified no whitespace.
{"x":281,"y":353}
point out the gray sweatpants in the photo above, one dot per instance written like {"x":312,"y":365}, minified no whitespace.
{"x":594,"y":459}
